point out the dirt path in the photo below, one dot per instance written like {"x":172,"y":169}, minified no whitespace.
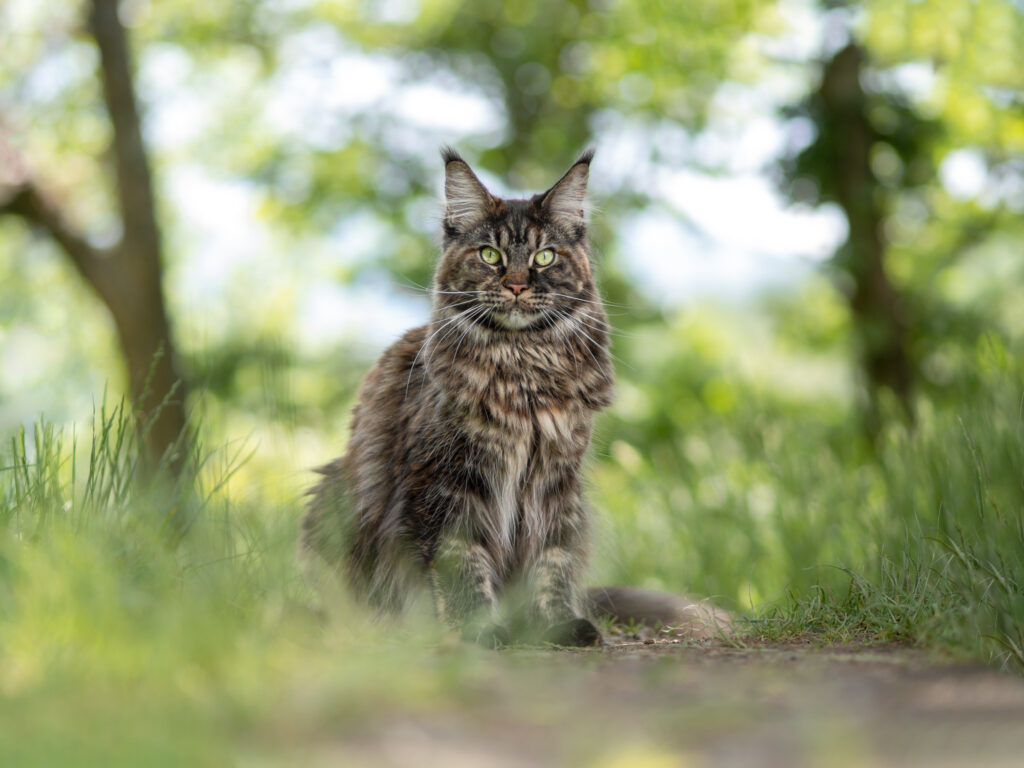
{"x":667,"y":704}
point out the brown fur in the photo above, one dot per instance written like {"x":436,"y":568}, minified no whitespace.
{"x":463,"y":469}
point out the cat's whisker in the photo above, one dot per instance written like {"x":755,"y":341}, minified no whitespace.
{"x":604,"y":301}
{"x":607,"y":351}
{"x":614,"y":357}
{"x":411,"y":285}
{"x":573,"y":298}
{"x":570,"y":326}
{"x":611,"y":330}
{"x":575,"y":323}
{"x":467,"y":317}
{"x":429,"y":289}
{"x":455,"y":304}
{"x":599,"y":303}
{"x":562,"y":332}
{"x":467,"y":329}
{"x":423,"y":346}
{"x":606,"y":327}
{"x":599,"y":322}
{"x":438,"y":298}
{"x":466,"y":332}
{"x":452,"y":327}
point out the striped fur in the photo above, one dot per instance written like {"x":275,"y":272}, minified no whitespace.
{"x":462,"y":474}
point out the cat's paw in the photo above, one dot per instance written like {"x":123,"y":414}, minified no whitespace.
{"x":579,"y":633}
{"x":492,"y":636}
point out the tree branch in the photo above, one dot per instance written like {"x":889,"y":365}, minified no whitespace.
{"x":93,"y":264}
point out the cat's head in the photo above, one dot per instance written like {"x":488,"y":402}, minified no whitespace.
{"x":514,"y":265}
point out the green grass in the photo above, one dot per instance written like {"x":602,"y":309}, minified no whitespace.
{"x":134,"y":610}
{"x":144,"y":621}
{"x":785,"y":513}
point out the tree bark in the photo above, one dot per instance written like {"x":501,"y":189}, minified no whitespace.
{"x":128,"y":276}
{"x":875,"y":304}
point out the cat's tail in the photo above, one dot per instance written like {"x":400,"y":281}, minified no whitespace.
{"x":681,"y":616}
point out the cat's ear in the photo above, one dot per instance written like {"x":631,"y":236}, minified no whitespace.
{"x":466,"y":199}
{"x":565,"y":201}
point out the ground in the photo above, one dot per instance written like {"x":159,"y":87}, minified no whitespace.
{"x":672,"y":703}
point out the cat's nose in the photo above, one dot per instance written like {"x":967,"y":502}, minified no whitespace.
{"x":516,"y":288}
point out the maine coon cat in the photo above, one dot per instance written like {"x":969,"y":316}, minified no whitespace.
{"x":463,"y":470}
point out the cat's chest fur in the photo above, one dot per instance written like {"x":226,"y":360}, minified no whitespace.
{"x":522,"y":407}
{"x":524,"y":397}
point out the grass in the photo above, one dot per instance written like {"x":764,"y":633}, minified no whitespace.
{"x":151,"y":622}
{"x":788,"y":516}
{"x":144,"y":621}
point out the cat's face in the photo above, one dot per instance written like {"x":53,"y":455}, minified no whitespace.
{"x":514,"y":265}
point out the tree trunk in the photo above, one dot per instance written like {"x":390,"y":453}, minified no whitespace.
{"x":138,"y":308}
{"x":128,"y":276}
{"x":874,"y":302}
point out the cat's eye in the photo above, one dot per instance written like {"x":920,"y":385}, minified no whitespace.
{"x":543,"y":258}
{"x":490,"y":255}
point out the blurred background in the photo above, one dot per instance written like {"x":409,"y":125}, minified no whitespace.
{"x":808,"y":231}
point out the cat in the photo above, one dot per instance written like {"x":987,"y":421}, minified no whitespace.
{"x":462,"y":473}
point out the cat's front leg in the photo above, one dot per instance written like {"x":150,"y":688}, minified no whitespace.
{"x":463,"y":581}
{"x":557,"y":597}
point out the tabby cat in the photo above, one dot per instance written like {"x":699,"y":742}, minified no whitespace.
{"x":463,"y":469}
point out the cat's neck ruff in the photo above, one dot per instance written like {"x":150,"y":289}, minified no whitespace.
{"x":499,"y":328}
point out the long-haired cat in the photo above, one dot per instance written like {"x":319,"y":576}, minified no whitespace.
{"x":463,"y":470}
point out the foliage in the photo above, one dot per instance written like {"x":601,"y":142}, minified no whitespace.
{"x":929,"y":97}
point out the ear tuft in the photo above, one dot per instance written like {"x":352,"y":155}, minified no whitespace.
{"x":466,"y":199}
{"x":566,"y":199}
{"x":449,"y":155}
{"x":586,"y":156}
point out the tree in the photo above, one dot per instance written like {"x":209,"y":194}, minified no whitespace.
{"x":887,"y":110}
{"x":126,"y":276}
{"x":839,"y":167}
{"x":878,"y":310}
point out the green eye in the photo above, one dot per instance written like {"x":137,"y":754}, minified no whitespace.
{"x":490,"y":255}
{"x":543,"y":258}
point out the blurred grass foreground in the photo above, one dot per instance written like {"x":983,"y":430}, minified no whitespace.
{"x":808,"y":238}
{"x":151,"y":621}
